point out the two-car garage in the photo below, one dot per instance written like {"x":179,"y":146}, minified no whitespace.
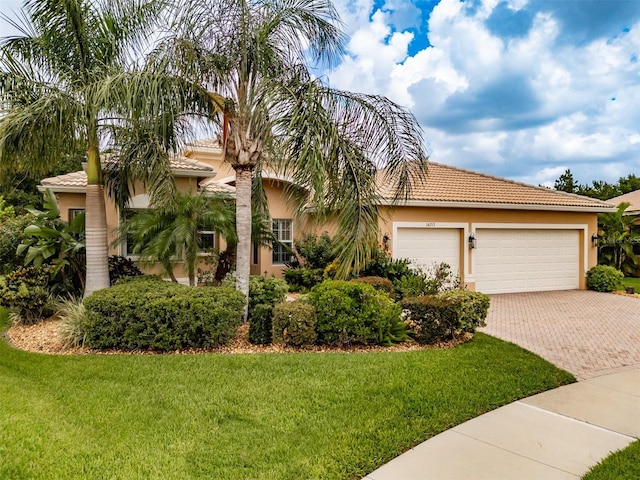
{"x":500,"y":259}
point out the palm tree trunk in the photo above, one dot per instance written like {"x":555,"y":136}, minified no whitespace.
{"x":243,"y":227}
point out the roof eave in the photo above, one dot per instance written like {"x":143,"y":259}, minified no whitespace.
{"x":496,"y":206}
{"x":192,"y":173}
{"x":62,"y":188}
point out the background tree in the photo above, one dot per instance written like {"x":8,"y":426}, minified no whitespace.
{"x":566,"y":183}
{"x":617,"y":240}
{"x":71,"y":77}
{"x":277,"y":116}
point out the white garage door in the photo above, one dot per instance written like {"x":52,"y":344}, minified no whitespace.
{"x":507,"y":261}
{"x":426,"y":247}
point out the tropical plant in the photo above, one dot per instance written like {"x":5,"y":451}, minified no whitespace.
{"x":278,"y":116}
{"x":173,"y":231}
{"x":72,"y":75}
{"x":617,"y":239}
{"x":49,"y":240}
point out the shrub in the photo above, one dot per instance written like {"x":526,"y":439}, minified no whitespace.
{"x":603,"y":278}
{"x":150,"y":314}
{"x":303,"y":279}
{"x":121,"y":267}
{"x":294,"y":323}
{"x":315,"y":253}
{"x":25,"y":293}
{"x":11,"y":235}
{"x":437,"y":278}
{"x":264,"y":293}
{"x":430,"y":319}
{"x":382,"y":265}
{"x":354,"y":312}
{"x":381,"y":284}
{"x":472,"y":308}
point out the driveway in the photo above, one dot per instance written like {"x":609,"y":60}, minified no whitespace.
{"x":584,"y":332}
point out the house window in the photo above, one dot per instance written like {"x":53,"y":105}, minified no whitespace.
{"x":206,"y":238}
{"x":283,"y":232}
{"x":129,"y":242}
{"x":255,"y":253}
{"x":74,"y":212}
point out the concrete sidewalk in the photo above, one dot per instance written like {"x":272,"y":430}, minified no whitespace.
{"x":558,"y":434}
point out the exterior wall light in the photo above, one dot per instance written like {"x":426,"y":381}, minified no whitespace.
{"x":472,"y":241}
{"x":594,"y":239}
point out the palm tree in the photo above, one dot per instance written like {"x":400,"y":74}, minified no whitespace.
{"x":72,"y":76}
{"x":617,"y":239}
{"x":173,"y":231}
{"x":277,"y":116}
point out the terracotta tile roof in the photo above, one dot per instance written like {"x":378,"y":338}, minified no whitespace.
{"x":452,"y":185}
{"x":632,"y":197}
{"x":75,"y":179}
{"x":79,"y":179}
{"x":213,"y":186}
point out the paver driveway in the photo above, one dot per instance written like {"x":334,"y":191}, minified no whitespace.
{"x":584,"y":332}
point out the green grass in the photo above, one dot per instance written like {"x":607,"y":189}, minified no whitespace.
{"x":631,"y":282}
{"x":624,"y":464}
{"x":263,"y":416}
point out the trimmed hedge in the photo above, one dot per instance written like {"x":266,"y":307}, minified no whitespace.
{"x":294,"y":323}
{"x":150,"y":314}
{"x":303,"y":279}
{"x":445,"y":315}
{"x":603,"y":278}
{"x":264,"y":293}
{"x":472,"y":308}
{"x":355,"y":313}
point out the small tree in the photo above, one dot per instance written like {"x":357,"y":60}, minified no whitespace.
{"x":617,"y":238}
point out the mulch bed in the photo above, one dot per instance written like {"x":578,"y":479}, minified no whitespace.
{"x":44,"y":337}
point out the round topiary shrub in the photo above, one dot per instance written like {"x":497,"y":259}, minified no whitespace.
{"x":294,"y":323}
{"x":603,"y":278}
{"x":355,"y":313}
{"x":150,"y":314}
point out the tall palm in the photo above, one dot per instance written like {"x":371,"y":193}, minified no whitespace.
{"x":277,"y":116}
{"x":71,"y":75}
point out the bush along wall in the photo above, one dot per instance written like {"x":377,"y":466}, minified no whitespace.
{"x":150,"y":314}
{"x":264,"y":294}
{"x":444,"y":316}
{"x":603,"y":278}
{"x":355,"y":313}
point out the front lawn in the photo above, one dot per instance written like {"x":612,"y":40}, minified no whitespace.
{"x":621,"y":465}
{"x":632,"y":282}
{"x":267,"y":416}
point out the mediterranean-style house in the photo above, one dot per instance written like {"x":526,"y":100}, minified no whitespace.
{"x":501,"y":236}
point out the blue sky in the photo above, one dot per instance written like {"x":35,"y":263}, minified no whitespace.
{"x":522,"y":89}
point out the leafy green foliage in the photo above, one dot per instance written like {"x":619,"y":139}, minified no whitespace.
{"x":11,"y":236}
{"x":149,"y":314}
{"x":598,"y":188}
{"x":472,"y":308}
{"x":382,"y":284}
{"x":49,"y":240}
{"x":121,"y":267}
{"x":355,"y":313}
{"x":430,"y":319}
{"x":303,"y":279}
{"x":617,"y":240}
{"x":315,"y":252}
{"x":604,"y":278}
{"x":264,"y":294}
{"x":294,"y":323}
{"x":445,"y":315}
{"x":25,"y":293}
{"x":382,"y":265}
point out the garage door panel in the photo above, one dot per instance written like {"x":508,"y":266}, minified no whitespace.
{"x":426,"y":247}
{"x":526,"y":260}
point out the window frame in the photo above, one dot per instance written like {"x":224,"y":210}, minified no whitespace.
{"x":277,"y":250}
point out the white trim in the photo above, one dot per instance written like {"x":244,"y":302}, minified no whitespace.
{"x":539,"y":226}
{"x":495,"y":206}
{"x":62,"y":189}
{"x":464,"y":226}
